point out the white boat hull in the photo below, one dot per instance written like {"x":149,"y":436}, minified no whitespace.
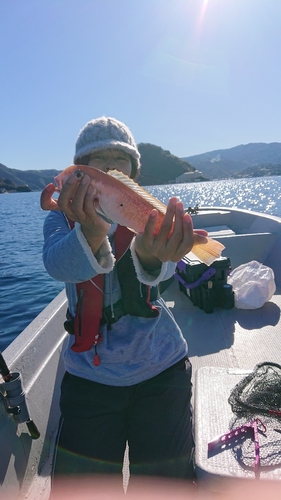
{"x":226,"y":339}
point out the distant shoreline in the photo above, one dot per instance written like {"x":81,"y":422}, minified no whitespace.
{"x":26,"y":189}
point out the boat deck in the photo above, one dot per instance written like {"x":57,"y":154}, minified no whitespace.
{"x":230,"y":338}
{"x":223,"y":347}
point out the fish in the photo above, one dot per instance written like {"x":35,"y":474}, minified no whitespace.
{"x":121,"y":200}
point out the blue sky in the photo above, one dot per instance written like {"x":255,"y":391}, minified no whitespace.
{"x":188,"y":75}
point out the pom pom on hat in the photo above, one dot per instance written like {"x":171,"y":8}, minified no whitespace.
{"x":106,"y":133}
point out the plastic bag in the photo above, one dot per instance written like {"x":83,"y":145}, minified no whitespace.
{"x":253,"y":285}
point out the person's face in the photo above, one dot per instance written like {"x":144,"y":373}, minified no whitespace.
{"x":110,"y":159}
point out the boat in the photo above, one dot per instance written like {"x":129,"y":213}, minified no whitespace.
{"x":224,"y":345}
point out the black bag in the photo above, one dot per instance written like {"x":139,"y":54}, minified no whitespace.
{"x":206,"y":286}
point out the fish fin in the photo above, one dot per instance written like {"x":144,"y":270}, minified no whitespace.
{"x":139,"y":190}
{"x":208,"y":252}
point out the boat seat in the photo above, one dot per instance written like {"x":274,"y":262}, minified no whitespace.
{"x":252,"y":246}
{"x":213,"y":418}
{"x":242,"y":248}
{"x":215,"y":231}
{"x":215,"y":217}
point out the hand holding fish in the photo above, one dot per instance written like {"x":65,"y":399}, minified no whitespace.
{"x":117,"y":198}
{"x":174,"y":239}
{"x":76,"y":201}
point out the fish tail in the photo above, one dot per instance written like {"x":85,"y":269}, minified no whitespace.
{"x":209,"y":251}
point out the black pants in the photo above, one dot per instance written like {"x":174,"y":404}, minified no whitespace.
{"x":154,"y":416}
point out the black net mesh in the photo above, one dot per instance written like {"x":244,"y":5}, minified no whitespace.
{"x":259,"y":392}
{"x":258,"y":396}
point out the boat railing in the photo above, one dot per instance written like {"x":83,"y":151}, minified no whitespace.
{"x":36,"y":355}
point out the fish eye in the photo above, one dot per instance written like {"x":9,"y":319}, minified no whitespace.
{"x":79,"y":174}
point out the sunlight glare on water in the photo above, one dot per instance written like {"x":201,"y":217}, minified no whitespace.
{"x":261,"y":195}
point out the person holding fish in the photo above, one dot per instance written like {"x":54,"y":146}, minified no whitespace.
{"x":128,"y":377}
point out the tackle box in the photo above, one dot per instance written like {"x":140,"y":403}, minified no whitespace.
{"x":206,"y":286}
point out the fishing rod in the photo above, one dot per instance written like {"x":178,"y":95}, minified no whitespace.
{"x":14,"y":398}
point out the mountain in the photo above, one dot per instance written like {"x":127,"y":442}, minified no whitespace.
{"x":158,"y":167}
{"x":224,"y":163}
{"x":35,"y":179}
{"x":263,"y":170}
{"x":7,"y":185}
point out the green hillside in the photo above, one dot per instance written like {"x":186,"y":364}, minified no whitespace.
{"x":158,"y":167}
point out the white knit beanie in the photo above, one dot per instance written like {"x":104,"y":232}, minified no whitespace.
{"x":106,"y":133}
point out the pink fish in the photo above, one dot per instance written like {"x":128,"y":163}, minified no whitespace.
{"x":121,"y":200}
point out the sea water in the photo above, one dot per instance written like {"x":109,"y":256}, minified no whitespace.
{"x":25,"y":286}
